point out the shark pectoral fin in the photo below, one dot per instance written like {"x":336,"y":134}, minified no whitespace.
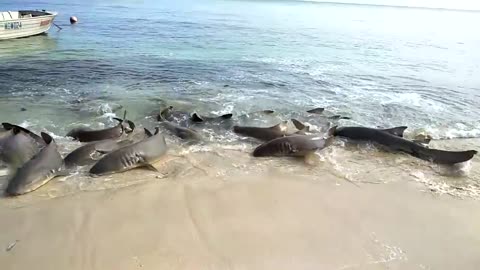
{"x":311,"y":158}
{"x":149,"y":167}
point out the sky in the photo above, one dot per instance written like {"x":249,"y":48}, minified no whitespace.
{"x":450,"y":4}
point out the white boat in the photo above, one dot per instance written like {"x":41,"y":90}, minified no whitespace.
{"x":24,"y":23}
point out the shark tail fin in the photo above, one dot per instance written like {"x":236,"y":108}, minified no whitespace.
{"x":442,"y":156}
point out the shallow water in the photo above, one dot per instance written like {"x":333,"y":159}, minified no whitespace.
{"x":381,"y":66}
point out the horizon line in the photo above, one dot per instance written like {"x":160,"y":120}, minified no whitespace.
{"x":389,"y":5}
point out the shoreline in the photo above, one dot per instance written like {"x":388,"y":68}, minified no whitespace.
{"x":355,"y":164}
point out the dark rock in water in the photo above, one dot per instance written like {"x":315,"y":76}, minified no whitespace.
{"x":23,"y":110}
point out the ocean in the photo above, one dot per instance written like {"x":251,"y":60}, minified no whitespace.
{"x":380,"y":66}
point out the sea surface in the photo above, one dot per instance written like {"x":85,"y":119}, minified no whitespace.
{"x":378,"y":66}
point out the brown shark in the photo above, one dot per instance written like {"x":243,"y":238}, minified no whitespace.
{"x":396,"y":143}
{"x":263,"y":133}
{"x":36,"y":172}
{"x":140,"y":154}
{"x":88,"y":135}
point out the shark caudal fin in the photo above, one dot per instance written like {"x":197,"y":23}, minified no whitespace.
{"x":120,"y":119}
{"x":165,"y":114}
{"x":131,"y":125}
{"x":442,"y":156}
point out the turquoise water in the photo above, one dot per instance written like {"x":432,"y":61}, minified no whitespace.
{"x":382,"y":66}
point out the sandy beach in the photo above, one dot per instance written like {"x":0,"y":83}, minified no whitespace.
{"x":270,"y":220}
{"x":211,"y":204}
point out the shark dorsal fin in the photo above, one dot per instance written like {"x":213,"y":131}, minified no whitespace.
{"x":196,"y":117}
{"x":147,"y":132}
{"x":46,"y":137}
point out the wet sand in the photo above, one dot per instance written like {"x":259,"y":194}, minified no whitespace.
{"x":270,"y":220}
{"x":213,"y":206}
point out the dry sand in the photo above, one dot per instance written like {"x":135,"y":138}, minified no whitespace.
{"x":272,"y":220}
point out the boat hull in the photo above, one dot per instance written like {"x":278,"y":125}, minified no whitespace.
{"x":25,"y":27}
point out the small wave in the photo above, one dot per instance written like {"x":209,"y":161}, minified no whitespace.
{"x":104,"y":109}
{"x":410,"y":78}
{"x":55,"y":136}
{"x":410,"y":99}
{"x":26,"y":124}
{"x":444,"y":188}
{"x":227,"y":108}
{"x":455,"y":131}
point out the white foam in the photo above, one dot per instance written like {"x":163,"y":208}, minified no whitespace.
{"x":109,"y":115}
{"x":410,"y":99}
{"x":459,"y":130}
{"x":456,"y":170}
{"x":443,"y":188}
{"x":104,"y":108}
{"x":55,"y":136}
{"x":26,"y":124}
{"x":4,"y":172}
{"x":227,"y":108}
